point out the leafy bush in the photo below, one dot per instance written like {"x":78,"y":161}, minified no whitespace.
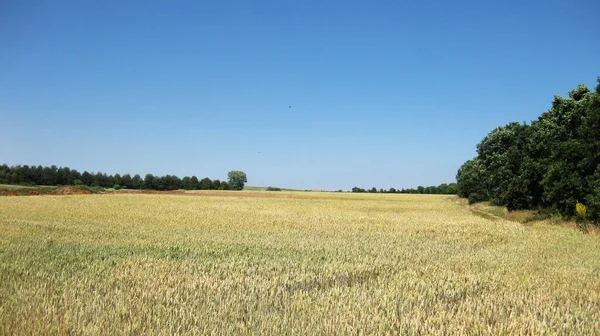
{"x":273,"y":189}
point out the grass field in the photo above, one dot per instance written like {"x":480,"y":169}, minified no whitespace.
{"x":287,"y":263}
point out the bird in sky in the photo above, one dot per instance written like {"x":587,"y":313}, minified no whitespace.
{"x":290,"y":106}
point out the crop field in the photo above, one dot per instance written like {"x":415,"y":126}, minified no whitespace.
{"x":287,"y":263}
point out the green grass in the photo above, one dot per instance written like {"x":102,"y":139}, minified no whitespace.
{"x":287,"y":263}
{"x":16,"y":186}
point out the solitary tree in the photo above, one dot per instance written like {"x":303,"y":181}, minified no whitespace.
{"x":237,"y":179}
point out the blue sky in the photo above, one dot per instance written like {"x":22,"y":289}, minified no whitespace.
{"x":384,"y":94}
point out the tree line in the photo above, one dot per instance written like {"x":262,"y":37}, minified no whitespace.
{"x":442,"y":189}
{"x":551,"y":163}
{"x":53,"y":175}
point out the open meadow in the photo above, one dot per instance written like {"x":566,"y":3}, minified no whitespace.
{"x":256,"y":262}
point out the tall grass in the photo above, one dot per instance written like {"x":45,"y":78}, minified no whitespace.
{"x":324,"y":264}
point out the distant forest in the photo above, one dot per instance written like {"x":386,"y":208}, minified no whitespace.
{"x":53,"y":175}
{"x":552,"y":163}
{"x":444,"y":188}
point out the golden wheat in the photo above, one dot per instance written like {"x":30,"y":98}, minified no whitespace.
{"x":287,"y":263}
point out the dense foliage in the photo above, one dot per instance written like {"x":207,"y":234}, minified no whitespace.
{"x":444,"y":189}
{"x":38,"y":175}
{"x":554,"y":162}
{"x":237,"y":179}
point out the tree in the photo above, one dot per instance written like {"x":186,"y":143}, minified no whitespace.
{"x":171,"y":182}
{"x":194,"y":183}
{"x":117,"y":180}
{"x":237,"y":179}
{"x":205,"y":184}
{"x":185,"y":183}
{"x":501,"y":153}
{"x":471,"y":183}
{"x":102,"y":180}
{"x":137,"y":182}
{"x":158,"y":183}
{"x":87,"y":178}
{"x":149,"y":181}
{"x":49,"y":176}
{"x":5,"y":173}
{"x":553,"y":162}
{"x":126,"y":181}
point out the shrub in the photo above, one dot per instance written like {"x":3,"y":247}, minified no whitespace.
{"x":273,"y":189}
{"x":476,"y":198}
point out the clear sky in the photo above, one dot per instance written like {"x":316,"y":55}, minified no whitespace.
{"x":382,"y":93}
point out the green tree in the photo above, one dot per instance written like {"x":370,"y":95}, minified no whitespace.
{"x":87,"y":178}
{"x":136,"y":182}
{"x":194,"y":183}
{"x":501,"y":153}
{"x":551,"y":163}
{"x":149,"y":181}
{"x":470,"y":180}
{"x":49,"y":176}
{"x":186,"y":183}
{"x":205,"y":184}
{"x":117,"y":180}
{"x":237,"y":179}
{"x":5,"y":173}
{"x":126,"y":181}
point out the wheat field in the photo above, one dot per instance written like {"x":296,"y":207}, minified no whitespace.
{"x":287,"y":263}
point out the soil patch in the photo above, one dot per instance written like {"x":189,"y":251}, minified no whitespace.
{"x":68,"y":190}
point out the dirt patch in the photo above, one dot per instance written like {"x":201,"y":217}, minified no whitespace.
{"x":19,"y":192}
{"x":70,"y":191}
{"x":26,"y":191}
{"x":67,"y":190}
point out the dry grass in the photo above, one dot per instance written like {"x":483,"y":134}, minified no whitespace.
{"x":485,"y":209}
{"x":329,"y":264}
